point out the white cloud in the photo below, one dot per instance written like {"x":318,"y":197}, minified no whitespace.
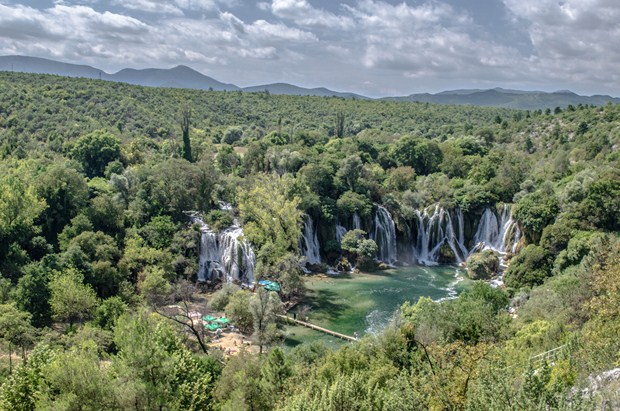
{"x":358,"y":45}
{"x":574,"y":40}
{"x":427,"y":40}
{"x":263,"y":30}
{"x":304,"y":14}
{"x":150,"y":6}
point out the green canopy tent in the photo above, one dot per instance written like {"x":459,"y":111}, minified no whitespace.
{"x":209,"y":318}
{"x":222,"y":320}
{"x":213,"y":326}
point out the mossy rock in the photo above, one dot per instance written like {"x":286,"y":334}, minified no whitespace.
{"x":446,"y":254}
{"x":483,"y":265}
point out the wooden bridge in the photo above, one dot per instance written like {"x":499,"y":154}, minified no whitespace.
{"x":317,"y":328}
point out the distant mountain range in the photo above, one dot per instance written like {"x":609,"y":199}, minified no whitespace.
{"x":498,"y":97}
{"x":186,"y":77}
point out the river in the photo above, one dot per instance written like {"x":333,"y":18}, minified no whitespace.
{"x":365,"y":302}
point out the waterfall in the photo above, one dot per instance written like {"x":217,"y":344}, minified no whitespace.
{"x":497,"y":231}
{"x":340,"y":232}
{"x":225,"y":254}
{"x":384,"y":234}
{"x":435,"y":229}
{"x":309,"y":242}
{"x":357,"y":222}
{"x":237,"y":255}
{"x":209,"y":254}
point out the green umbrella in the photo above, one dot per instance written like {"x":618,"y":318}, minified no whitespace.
{"x":273,"y":287}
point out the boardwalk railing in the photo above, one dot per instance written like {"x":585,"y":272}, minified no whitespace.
{"x":317,"y":328}
{"x":550,"y":355}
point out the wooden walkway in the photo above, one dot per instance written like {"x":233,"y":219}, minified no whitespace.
{"x":317,"y":328}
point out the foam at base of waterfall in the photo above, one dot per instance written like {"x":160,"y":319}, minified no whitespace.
{"x":451,"y":288}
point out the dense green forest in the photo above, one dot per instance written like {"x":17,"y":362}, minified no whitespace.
{"x":97,"y":181}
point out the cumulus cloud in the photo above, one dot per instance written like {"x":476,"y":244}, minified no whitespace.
{"x":575,"y":39}
{"x":149,"y":6}
{"x":304,"y":14}
{"x":427,"y":40}
{"x":174,"y":7}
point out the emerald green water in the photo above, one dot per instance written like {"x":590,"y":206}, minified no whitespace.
{"x":365,"y":303}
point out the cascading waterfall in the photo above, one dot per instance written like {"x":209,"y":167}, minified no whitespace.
{"x":340,"y":232}
{"x":309,"y":242}
{"x":384,"y":234}
{"x":435,"y":229}
{"x":237,"y":256}
{"x":497,"y":231}
{"x":357,"y":222}
{"x":209,"y":262}
{"x":225,"y":255}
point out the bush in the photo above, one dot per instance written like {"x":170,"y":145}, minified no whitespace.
{"x":219,"y":220}
{"x":529,"y":268}
{"x":221,"y":297}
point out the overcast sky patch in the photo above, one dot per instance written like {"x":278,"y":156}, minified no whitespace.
{"x":373,"y":47}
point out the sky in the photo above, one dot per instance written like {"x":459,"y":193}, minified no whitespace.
{"x":371,"y":47}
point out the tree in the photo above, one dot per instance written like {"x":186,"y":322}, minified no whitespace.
{"x":275,"y":372}
{"x":156,"y":370}
{"x":159,"y":231}
{"x":232,"y":135}
{"x":33,"y":294}
{"x":238,"y":309}
{"x":264,"y":306}
{"x":351,"y":203}
{"x":182,"y":316}
{"x":221,"y":298}
{"x":75,"y":380}
{"x":288,"y":271}
{"x":155,"y":287}
{"x":340,"y":124}
{"x":351,"y":169}
{"x":186,"y":117}
{"x":15,"y":329}
{"x":423,"y":155}
{"x":360,"y":248}
{"x":400,"y":179}
{"x":65,"y":193}
{"x":95,"y":150}
{"x":71,"y":300}
{"x":227,"y":160}
{"x":535,"y":211}
{"x":272,"y":218}
{"x":109,"y":311}
{"x":20,"y":206}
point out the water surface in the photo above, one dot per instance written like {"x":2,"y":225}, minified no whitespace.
{"x":365,"y":303}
